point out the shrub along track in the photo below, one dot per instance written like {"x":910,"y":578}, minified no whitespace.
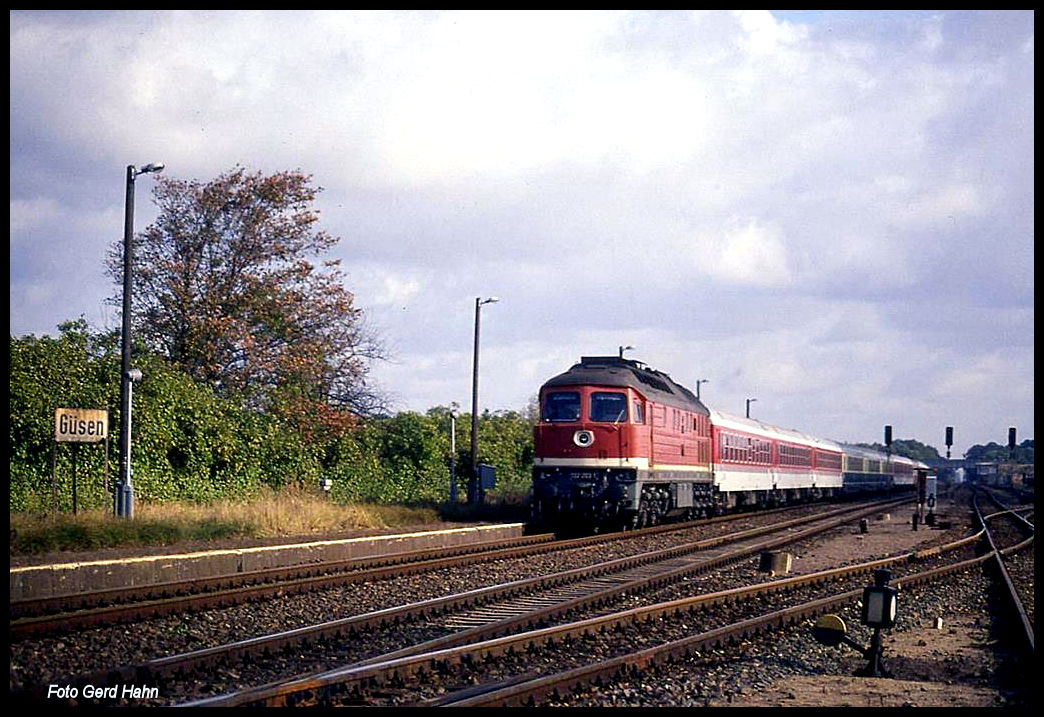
{"x":213,"y":659}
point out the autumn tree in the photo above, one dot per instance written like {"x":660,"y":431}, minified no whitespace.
{"x":225,"y":287}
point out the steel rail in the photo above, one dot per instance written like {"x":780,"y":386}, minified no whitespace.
{"x":398,"y":665}
{"x":265,"y":584}
{"x":528,"y":693}
{"x":350,"y":627}
{"x":97,"y":607}
{"x":72,"y":602}
{"x":1012,"y":599}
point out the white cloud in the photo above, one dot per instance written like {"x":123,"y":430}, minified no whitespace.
{"x":672,"y":180}
{"x":750,"y":254}
{"x":765,"y":35}
{"x":396,"y":290}
{"x":29,"y":214}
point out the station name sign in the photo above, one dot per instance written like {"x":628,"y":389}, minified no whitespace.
{"x":81,"y":425}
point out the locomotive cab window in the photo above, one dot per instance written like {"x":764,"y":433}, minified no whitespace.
{"x":561,"y":406}
{"x":609,"y":407}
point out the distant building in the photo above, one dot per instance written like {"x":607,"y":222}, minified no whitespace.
{"x":1002,"y":473}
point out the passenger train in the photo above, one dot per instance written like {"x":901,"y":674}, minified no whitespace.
{"x":621,"y":445}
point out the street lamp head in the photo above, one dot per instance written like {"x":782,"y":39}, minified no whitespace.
{"x":151,"y":167}
{"x":492,"y":300}
{"x":750,"y":401}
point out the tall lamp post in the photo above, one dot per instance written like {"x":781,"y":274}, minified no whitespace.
{"x":473,"y":486}
{"x":124,"y":488}
{"x":750,"y":401}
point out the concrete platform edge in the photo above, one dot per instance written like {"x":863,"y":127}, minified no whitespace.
{"x":40,"y":581}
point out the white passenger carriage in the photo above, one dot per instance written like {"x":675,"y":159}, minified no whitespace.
{"x":755,"y":463}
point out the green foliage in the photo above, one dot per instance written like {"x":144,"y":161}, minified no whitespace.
{"x":191,"y":444}
{"x":909,"y":448}
{"x":225,"y":288}
{"x":506,"y":443}
{"x":992,"y":452}
{"x":48,"y":373}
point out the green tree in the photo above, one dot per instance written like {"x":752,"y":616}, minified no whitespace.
{"x":909,"y":448}
{"x":192,"y":444}
{"x":506,"y":443}
{"x":74,"y":370}
{"x":188,"y":443}
{"x":226,"y":288}
{"x":995,"y":452}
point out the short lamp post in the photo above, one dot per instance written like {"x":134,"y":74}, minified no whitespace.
{"x":453,"y":454}
{"x":880,"y":602}
{"x":879,"y":609}
{"x":698,"y":382}
{"x":750,"y":401}
{"x":124,"y":489}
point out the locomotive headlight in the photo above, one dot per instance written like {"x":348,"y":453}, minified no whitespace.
{"x":583,"y":438}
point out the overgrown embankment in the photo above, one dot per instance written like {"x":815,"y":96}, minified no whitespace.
{"x":193,"y":447}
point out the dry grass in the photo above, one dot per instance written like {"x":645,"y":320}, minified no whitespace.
{"x":286,"y":513}
{"x":291,"y":511}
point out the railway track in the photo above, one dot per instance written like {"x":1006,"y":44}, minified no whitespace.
{"x":213,"y":660}
{"x":502,"y":666}
{"x":78,"y":611}
{"x":124,"y":604}
{"x":1006,"y":535}
{"x":507,"y":670}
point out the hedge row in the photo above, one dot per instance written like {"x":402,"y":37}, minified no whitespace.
{"x":191,"y":445}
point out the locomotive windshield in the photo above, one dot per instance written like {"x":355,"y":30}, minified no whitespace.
{"x":611,"y":407}
{"x":561,"y":406}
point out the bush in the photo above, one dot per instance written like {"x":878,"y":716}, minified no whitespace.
{"x":191,"y":445}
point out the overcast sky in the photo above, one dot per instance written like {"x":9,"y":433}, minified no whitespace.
{"x":830,"y":212}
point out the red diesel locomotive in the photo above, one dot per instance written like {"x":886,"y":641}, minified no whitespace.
{"x":622,"y":445}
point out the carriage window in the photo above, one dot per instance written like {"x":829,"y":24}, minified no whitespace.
{"x":561,"y":406}
{"x":610,"y":407}
{"x":637,"y":411}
